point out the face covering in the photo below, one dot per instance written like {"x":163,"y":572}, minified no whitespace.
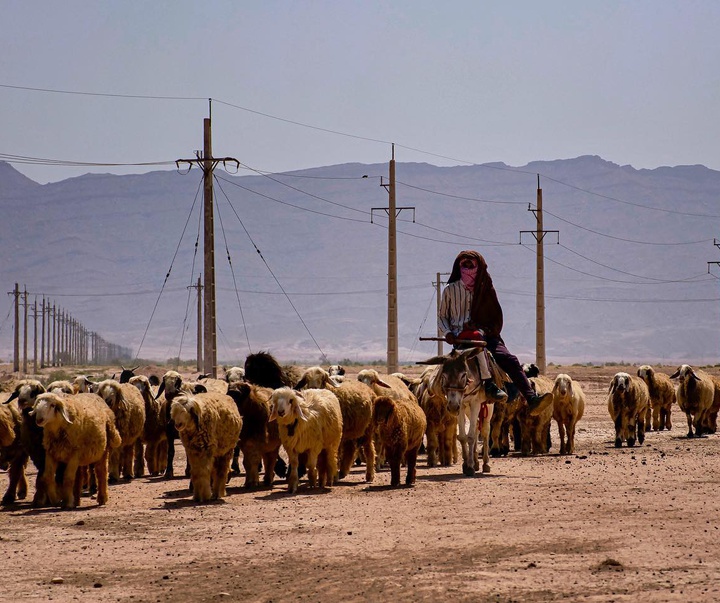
{"x":467,"y":276}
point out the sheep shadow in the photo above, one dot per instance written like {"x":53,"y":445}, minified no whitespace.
{"x":303,"y":490}
{"x":184,"y":503}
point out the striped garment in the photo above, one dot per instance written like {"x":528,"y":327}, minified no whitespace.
{"x":454,"y":309}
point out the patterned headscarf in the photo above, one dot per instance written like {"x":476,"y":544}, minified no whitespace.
{"x":485,"y":312}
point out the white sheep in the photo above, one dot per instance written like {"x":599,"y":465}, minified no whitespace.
{"x":568,"y":409}
{"x":209,"y":425}
{"x":128,"y":405}
{"x":235,"y":374}
{"x":695,"y":397}
{"x":337,"y":372}
{"x":310,"y":424}
{"x":662,"y":396}
{"x":61,"y":386}
{"x":385,"y":385}
{"x":78,"y":430}
{"x":356,"y":405}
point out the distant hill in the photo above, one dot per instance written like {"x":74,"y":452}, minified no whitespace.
{"x":625,"y":280}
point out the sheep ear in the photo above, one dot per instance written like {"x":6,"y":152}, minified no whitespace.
{"x":298,"y":410}
{"x":12,"y":397}
{"x":64,"y":413}
{"x":300,"y":384}
{"x":675,"y":375}
{"x":381,"y":383}
{"x":638,"y":374}
{"x":613,"y":383}
{"x":199,"y":389}
{"x":273,"y":412}
{"x":161,"y":389}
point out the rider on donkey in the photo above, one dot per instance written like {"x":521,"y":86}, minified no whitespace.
{"x":470,"y":310}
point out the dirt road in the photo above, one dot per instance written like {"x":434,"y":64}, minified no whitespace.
{"x":604,"y":524}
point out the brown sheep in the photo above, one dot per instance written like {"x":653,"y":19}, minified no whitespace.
{"x":310,"y":424}
{"x":12,"y":455}
{"x":78,"y":430}
{"x":128,"y":405}
{"x":400,"y":425}
{"x":695,"y":397}
{"x":628,"y":401}
{"x":568,"y":409}
{"x":662,"y":397}
{"x":154,"y":436}
{"x":536,"y":427}
{"x":259,"y":439}
{"x":209,"y":425}
{"x":356,"y":405}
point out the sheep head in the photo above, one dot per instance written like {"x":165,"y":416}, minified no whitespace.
{"x":620,"y":383}
{"x":315,"y":377}
{"x":50,"y":409}
{"x":109,"y":390}
{"x":82,"y":384}
{"x":26,"y":393}
{"x":685,"y":373}
{"x":61,"y":387}
{"x":185,"y":412}
{"x":371,"y":377}
{"x":170,"y":385}
{"x":563,"y":388}
{"x":285,"y":406}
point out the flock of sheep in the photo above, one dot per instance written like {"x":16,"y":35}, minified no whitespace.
{"x":83,"y":435}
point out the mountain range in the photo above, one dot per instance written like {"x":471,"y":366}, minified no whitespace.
{"x":302,"y":257}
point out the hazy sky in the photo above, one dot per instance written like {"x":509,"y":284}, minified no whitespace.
{"x":636,"y":82}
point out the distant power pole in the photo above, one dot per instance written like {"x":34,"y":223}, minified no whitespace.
{"x":717,"y":244}
{"x":25,"y":329}
{"x":392,"y":319}
{"x":539,"y":235}
{"x":207,"y":163}
{"x":16,"y":338}
{"x":438,"y":297}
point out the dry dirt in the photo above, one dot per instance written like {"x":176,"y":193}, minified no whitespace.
{"x":604,"y":524}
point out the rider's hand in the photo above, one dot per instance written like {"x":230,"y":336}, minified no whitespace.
{"x":450,"y":338}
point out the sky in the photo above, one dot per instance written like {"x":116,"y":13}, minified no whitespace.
{"x":296,"y":85}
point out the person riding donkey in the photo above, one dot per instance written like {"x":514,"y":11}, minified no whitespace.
{"x":470,"y":310}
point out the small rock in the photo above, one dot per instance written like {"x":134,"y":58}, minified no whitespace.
{"x":57,"y":580}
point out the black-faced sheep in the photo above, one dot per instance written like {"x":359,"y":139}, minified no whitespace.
{"x":264,"y":370}
{"x":568,"y":409}
{"x":310,"y":424}
{"x":154,"y":437}
{"x":259,"y":439}
{"x":400,"y":425}
{"x":695,"y":397}
{"x":356,"y":404}
{"x":128,"y":405}
{"x":209,"y":425}
{"x":662,"y":396}
{"x":13,"y":457}
{"x":628,"y":401}
{"x":31,"y":435}
{"x":79,"y":430}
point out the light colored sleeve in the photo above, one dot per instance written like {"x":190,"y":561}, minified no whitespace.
{"x":443,"y":317}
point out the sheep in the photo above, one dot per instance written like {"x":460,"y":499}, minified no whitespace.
{"x":209,"y":425}
{"x":31,"y":435}
{"x":568,"y":409}
{"x":695,"y":397}
{"x":234,"y":375}
{"x":337,"y":372}
{"x":82,"y":384}
{"x":310,"y":424}
{"x":263,"y":369}
{"x":128,"y":405}
{"x":628,"y":401}
{"x":60,"y":387}
{"x":12,"y":455}
{"x":400,"y":425}
{"x":211,"y":384}
{"x":535,"y":428}
{"x":662,"y":396}
{"x":356,"y":404}
{"x":259,"y":439}
{"x":127,"y":374}
{"x":172,"y":385}
{"x":154,"y":435}
{"x":78,"y":430}
{"x":385,"y":385}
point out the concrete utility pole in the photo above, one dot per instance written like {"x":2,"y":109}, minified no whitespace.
{"x":539,"y":235}
{"x":392,"y":320}
{"x":35,"y":337}
{"x":16,"y":338}
{"x":25,"y":334}
{"x":199,"y":325}
{"x":208,"y":163}
{"x":717,"y":244}
{"x":438,"y":298}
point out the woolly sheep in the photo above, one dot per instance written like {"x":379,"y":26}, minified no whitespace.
{"x":310,"y":424}
{"x":154,"y":436}
{"x":12,"y":455}
{"x":128,"y":405}
{"x":209,"y":425}
{"x":337,"y":372}
{"x":234,"y":375}
{"x":60,"y":387}
{"x":78,"y":430}
{"x":259,"y":439}
{"x":31,"y":435}
{"x":568,"y":409}
{"x":695,"y":397}
{"x":535,"y":428}
{"x":356,"y":404}
{"x":385,"y":385}
{"x":400,"y":424}
{"x":662,"y":396}
{"x":82,"y":384}
{"x":628,"y":401}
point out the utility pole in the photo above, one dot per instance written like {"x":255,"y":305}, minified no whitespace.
{"x":35,"y":338}
{"x":539,"y":235}
{"x":717,"y":244}
{"x":25,"y":337}
{"x":16,"y":338}
{"x":438,"y":297}
{"x":392,"y":319}
{"x":199,"y":324}
{"x":208,"y":163}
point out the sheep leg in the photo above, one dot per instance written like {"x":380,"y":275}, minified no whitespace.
{"x":432,"y":445}
{"x":269,"y":460}
{"x":348,"y":449}
{"x":668,"y":422}
{"x":690,"y":425}
{"x":250,"y":461}
{"x":114,"y":465}
{"x":235,"y":465}
{"x":100,"y":473}
{"x":17,"y":481}
{"x":312,"y":458}
{"x":68,"y":485}
{"x":618,"y":431}
{"x":632,"y":429}
{"x":139,"y":462}
{"x":411,"y":461}
{"x":369,"y":451}
{"x":221,"y":470}
{"x":161,"y":453}
{"x":395,"y":460}
{"x":564,"y":448}
{"x":200,"y":472}
{"x":128,"y":454}
{"x":570,"y":444}
{"x":293,"y":478}
{"x":641,"y":426}
{"x":657,"y":418}
{"x":49,"y":483}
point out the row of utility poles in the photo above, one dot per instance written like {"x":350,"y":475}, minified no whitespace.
{"x":63,"y":340}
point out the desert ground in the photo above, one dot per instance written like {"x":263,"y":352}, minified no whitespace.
{"x":603,"y":524}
